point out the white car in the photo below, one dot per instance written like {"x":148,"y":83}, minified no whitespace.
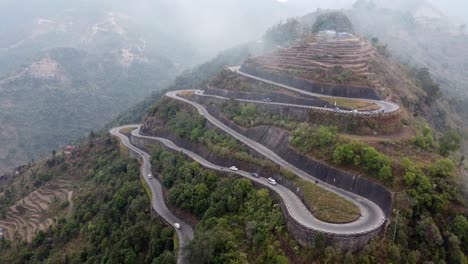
{"x":233,"y":168}
{"x":271,"y":181}
{"x":150,"y":176}
{"x":177,"y":225}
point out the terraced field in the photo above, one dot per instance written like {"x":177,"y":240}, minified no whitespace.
{"x":318,"y":57}
{"x":34,"y":212}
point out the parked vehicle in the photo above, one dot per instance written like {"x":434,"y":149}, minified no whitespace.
{"x":233,"y":168}
{"x":150,"y":176}
{"x":255,"y":175}
{"x":177,"y":225}
{"x":271,"y":181}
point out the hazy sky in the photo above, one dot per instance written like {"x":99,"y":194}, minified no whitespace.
{"x":452,"y":8}
{"x":457,"y":8}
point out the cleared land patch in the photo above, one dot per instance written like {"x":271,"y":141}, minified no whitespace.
{"x":34,"y":212}
{"x":351,"y":103}
{"x":326,"y":205}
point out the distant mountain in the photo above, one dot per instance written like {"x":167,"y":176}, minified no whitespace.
{"x":68,"y":67}
{"x":63,"y":73}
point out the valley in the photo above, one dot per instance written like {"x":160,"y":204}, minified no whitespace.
{"x":312,"y":145}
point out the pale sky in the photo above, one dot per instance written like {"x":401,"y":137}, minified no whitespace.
{"x":452,"y":8}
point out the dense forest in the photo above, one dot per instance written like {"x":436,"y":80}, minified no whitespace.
{"x":111,"y":222}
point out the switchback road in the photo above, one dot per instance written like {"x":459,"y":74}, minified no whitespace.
{"x":185,"y":233}
{"x":386,"y":107}
{"x":372,"y":215}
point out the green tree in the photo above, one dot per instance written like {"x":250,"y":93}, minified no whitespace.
{"x":336,"y":20}
{"x":450,"y":141}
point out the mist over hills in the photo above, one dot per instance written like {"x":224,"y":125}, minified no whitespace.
{"x":112,"y":55}
{"x":129,"y":49}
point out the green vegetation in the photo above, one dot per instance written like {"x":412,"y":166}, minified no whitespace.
{"x":324,"y":205}
{"x":192,"y":127}
{"x":249,"y":115}
{"x":87,"y":91}
{"x":424,"y":79}
{"x":351,"y":103}
{"x":325,"y":144}
{"x":337,"y":21}
{"x":364,"y":156}
{"x":238,"y":223}
{"x":432,"y":186}
{"x":450,"y":141}
{"x":340,"y":75}
{"x":111,"y":222}
{"x":285,"y":32}
{"x":306,"y":139}
{"x":424,"y":139}
{"x":427,"y":224}
{"x":447,"y":143}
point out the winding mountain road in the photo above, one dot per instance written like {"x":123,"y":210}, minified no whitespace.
{"x":185,"y":233}
{"x":295,"y":206}
{"x":372,"y":214}
{"x":372,"y":217}
{"x":386,"y":107}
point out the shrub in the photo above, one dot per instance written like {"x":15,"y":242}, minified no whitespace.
{"x":449,"y":142}
{"x":337,"y":21}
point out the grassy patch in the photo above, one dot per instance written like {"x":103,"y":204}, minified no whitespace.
{"x":327,"y":206}
{"x":351,"y":103}
{"x":127,"y":131}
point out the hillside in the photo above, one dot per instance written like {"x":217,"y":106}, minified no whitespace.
{"x":260,"y":104}
{"x":361,"y":172}
{"x":64,"y":93}
{"x":128,"y":50}
{"x":65,"y":72}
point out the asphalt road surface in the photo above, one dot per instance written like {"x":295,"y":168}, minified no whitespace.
{"x":293,"y":203}
{"x":385,"y":106}
{"x":185,"y":233}
{"x":372,"y":216}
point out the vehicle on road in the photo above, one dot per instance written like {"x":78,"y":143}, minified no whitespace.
{"x":255,"y":175}
{"x":354,"y":111}
{"x":177,"y":225}
{"x":233,"y":168}
{"x":150,"y":176}
{"x":271,"y":181}
{"x":337,"y":109}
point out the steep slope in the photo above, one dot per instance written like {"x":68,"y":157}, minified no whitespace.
{"x":236,"y":220}
{"x":64,"y":93}
{"x":106,"y":218}
{"x":235,"y":100}
{"x":64,"y":72}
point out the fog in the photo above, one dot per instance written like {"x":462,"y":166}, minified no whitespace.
{"x":207,"y":26}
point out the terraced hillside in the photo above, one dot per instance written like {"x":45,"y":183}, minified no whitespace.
{"x":36,"y":211}
{"x":327,"y":57}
